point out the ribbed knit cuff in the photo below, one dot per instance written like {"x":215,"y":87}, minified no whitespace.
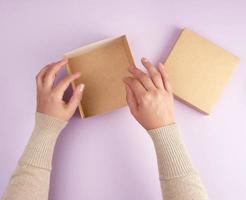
{"x":39,"y":150}
{"x":173,"y":159}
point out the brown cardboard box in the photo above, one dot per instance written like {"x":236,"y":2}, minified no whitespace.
{"x":103,"y":65}
{"x":198,"y":70}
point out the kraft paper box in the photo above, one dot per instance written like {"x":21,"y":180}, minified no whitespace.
{"x":102,"y":65}
{"x":198,"y":70}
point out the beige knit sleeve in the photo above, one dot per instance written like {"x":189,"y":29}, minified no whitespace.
{"x":179,"y":180}
{"x":30,"y":180}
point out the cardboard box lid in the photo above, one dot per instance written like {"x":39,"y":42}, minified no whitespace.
{"x":102,"y":65}
{"x":198,"y":70}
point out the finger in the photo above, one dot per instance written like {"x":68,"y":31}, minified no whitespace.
{"x":76,"y":98}
{"x":142,"y":77}
{"x":64,"y":83}
{"x":40,"y":76}
{"x":153,"y":72}
{"x":136,"y":87}
{"x":163,"y":73}
{"x":51,"y":73}
{"x":130,"y":98}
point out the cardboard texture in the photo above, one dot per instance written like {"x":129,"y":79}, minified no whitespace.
{"x":102,"y":65}
{"x":198,"y":70}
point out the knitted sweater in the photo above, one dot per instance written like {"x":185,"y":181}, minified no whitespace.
{"x":30,"y":181}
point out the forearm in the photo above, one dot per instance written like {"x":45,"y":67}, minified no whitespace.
{"x":32,"y":175}
{"x":179,"y":180}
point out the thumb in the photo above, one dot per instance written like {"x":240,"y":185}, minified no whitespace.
{"x":76,"y":98}
{"x":130,"y":98}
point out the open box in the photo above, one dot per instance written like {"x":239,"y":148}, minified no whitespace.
{"x":102,"y":65}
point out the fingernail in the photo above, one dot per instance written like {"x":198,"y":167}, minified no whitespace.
{"x":81,"y":87}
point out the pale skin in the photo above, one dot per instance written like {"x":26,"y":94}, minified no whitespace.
{"x":149,"y":95}
{"x":49,"y":96}
{"x":150,"y":99}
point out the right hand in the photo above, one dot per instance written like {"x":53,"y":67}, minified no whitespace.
{"x":149,"y":96}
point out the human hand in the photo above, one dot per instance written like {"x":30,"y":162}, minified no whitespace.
{"x":50,"y":96}
{"x":149,"y":96}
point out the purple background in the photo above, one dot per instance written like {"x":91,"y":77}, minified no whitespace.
{"x":111,"y":156}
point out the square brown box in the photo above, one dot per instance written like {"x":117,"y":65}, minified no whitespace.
{"x":199,"y":70}
{"x":102,"y":65}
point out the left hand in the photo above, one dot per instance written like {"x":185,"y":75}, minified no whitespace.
{"x":50,"y":97}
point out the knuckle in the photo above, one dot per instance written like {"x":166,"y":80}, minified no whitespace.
{"x":156,"y":92}
{"x":142,"y":77}
{"x":156,"y":76}
{"x":158,"y":95}
{"x":134,"y":82}
{"x":146,"y":98}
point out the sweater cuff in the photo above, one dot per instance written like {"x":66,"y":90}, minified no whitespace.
{"x":173,"y":159}
{"x":40,"y":148}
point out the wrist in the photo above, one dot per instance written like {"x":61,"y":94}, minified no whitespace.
{"x":159,"y":124}
{"x":164,"y":125}
{"x":48,"y":124}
